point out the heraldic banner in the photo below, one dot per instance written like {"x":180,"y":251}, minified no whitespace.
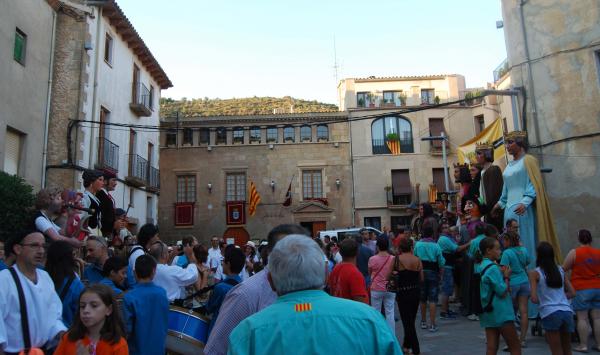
{"x":492,"y":134}
{"x":236,"y":212}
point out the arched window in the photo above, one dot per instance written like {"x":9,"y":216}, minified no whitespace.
{"x":238,"y":135}
{"x":305,"y":134}
{"x":322,"y":133}
{"x":289,"y":134}
{"x":382,"y":128}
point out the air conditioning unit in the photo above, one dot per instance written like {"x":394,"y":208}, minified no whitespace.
{"x":209,"y":148}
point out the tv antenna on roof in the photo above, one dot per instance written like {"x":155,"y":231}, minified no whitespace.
{"x":335,"y":63}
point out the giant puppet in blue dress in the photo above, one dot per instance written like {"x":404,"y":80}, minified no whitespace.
{"x":524,"y":197}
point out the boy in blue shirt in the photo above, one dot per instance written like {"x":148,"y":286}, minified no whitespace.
{"x":450,"y":252}
{"x":146,"y":311}
{"x":233,"y":263}
{"x":115,"y":272}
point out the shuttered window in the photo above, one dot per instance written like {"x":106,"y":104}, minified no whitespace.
{"x":20,"y":46}
{"x":312,"y":185}
{"x":436,"y":127}
{"x":401,"y":187}
{"x":186,"y":188}
{"x":438,"y":179}
{"x":236,"y":187}
{"x":12,"y":152}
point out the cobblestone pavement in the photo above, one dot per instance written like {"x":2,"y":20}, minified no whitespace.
{"x":462,"y":336}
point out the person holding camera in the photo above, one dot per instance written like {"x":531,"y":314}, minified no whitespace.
{"x":497,"y":317}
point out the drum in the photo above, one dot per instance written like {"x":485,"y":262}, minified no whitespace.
{"x":188,"y":331}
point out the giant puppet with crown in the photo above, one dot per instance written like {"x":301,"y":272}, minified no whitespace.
{"x":524,"y":197}
{"x":490,"y":185}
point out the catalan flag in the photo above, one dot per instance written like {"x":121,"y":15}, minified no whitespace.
{"x":254,"y":199}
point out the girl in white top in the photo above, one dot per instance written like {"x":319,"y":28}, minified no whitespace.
{"x":550,"y":289}
{"x":49,"y":204}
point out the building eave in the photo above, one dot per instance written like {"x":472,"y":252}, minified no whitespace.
{"x":116,"y":17}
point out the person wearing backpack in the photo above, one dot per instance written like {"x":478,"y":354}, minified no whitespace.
{"x":147,"y":236}
{"x":516,"y":257}
{"x":550,"y":289}
{"x":496,"y":313}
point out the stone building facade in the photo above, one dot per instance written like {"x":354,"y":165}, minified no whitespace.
{"x":105,"y":74}
{"x":26,"y":40}
{"x":387,"y":185}
{"x":208,"y":163}
{"x":553,"y":52}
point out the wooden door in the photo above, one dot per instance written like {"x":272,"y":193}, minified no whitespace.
{"x":239,"y":234}
{"x":317,"y":227}
{"x":135,"y":84}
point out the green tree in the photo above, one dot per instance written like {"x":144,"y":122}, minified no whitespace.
{"x":16,"y":209}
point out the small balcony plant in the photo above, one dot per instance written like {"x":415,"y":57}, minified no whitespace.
{"x":371,"y":97}
{"x":361,"y":102}
{"x":393,"y":143}
{"x":402,"y":98}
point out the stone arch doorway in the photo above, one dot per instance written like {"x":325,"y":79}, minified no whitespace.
{"x":239,"y":234}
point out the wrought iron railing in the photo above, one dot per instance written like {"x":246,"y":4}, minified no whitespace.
{"x":380,"y":146}
{"x":108,"y":154}
{"x":138,"y":167}
{"x":153,"y":178}
{"x":142,"y":96}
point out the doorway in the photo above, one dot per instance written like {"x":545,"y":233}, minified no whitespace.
{"x":314,"y":227}
{"x":239,"y":235}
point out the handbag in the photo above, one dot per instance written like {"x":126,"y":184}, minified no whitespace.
{"x":393,"y":279}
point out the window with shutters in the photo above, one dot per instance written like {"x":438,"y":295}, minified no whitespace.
{"x":108,"y":49}
{"x":12,"y":152}
{"x":20,"y":47}
{"x":186,"y":188}
{"x":401,"y":187}
{"x":436,"y":127}
{"x":439,"y":180}
{"x":235,"y":187}
{"x":171,"y":138}
{"x":479,"y":124}
{"x":312,"y":184}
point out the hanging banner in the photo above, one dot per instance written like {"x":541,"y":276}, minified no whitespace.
{"x":493,"y":134}
{"x":236,"y":212}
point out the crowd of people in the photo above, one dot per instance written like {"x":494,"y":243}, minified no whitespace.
{"x":77,"y":281}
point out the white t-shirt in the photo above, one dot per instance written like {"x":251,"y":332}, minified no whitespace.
{"x":244,"y":274}
{"x":174,"y":279}
{"x":43,"y":223}
{"x":44,"y":310}
{"x":133,"y":257}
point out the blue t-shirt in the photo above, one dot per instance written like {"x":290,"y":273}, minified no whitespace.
{"x":362,"y":259}
{"x":492,"y":282}
{"x":474,"y":247}
{"x":448,"y":246}
{"x":2,"y":265}
{"x":92,"y":273}
{"x":217,"y":296}
{"x":518,"y":259}
{"x":428,"y":250}
{"x":108,"y":282}
{"x":71,"y":301}
{"x":146,"y":313}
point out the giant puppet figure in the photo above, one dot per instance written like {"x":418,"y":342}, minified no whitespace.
{"x":524,"y":197}
{"x":490,"y":187}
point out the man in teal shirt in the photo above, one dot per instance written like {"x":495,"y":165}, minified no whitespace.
{"x":304,"y":319}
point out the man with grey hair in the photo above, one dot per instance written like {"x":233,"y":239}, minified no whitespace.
{"x":96,"y":248}
{"x":250,"y":296}
{"x":297,"y":273}
{"x":173,"y":278}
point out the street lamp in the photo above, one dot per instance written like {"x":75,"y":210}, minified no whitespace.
{"x":442,"y":137}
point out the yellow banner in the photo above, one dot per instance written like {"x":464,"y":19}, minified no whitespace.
{"x":492,"y":134}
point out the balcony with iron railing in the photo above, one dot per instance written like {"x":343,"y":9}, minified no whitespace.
{"x":141,"y":100}
{"x":380,"y":146}
{"x":153,"y":179}
{"x":137,"y":174}
{"x":108,"y":155}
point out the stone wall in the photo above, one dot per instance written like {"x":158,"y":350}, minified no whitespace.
{"x":563,"y":40}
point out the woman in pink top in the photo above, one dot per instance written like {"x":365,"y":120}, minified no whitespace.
{"x":380,"y":266}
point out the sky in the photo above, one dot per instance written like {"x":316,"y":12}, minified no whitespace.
{"x":279,"y":48}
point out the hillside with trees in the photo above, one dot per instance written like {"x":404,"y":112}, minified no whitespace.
{"x":245,"y":106}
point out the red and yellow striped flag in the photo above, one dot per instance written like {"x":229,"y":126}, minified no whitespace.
{"x":254,"y":199}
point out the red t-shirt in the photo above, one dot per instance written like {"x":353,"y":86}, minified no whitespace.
{"x":346,"y":281}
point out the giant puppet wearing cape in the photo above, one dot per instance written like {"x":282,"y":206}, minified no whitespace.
{"x":523,"y":184}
